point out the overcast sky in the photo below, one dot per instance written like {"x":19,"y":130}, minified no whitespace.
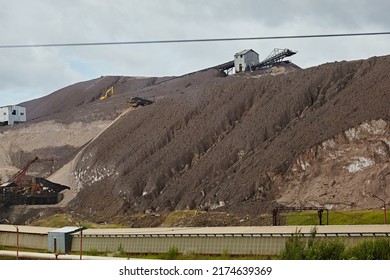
{"x":29,"y":73}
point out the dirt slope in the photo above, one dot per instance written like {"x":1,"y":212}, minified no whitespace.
{"x":78,"y":101}
{"x":240,"y":144}
{"x":222,"y":146}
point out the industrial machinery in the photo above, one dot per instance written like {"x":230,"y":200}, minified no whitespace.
{"x":276,"y":56}
{"x":23,"y":189}
{"x":273,"y":59}
{"x":138,"y":101}
{"x":109,"y":92}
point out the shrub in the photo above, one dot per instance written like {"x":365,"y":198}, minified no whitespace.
{"x":172,"y":253}
{"x":294,"y":249}
{"x":324,"y":249}
{"x":120,"y":252}
{"x":93,"y":252}
{"x":373,"y":249}
{"x":313,"y":249}
{"x":225,"y":254}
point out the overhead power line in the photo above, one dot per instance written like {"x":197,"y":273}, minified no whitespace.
{"x":192,"y":40}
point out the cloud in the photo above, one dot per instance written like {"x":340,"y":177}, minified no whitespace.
{"x":29,"y":73}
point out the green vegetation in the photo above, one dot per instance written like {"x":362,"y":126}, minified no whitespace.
{"x":290,"y":218}
{"x":62,"y":220}
{"x":373,"y":249}
{"x":335,"y":217}
{"x":174,"y":254}
{"x":225,"y":254}
{"x":176,"y":216}
{"x":298,"y":248}
{"x":120,"y":252}
{"x":314,"y":248}
{"x":92,"y":252}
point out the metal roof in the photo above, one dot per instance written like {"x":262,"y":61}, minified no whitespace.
{"x":26,"y":229}
{"x":6,"y":106}
{"x":67,"y":229}
{"x":254,"y":230}
{"x":265,"y":230}
{"x":7,"y":184}
{"x":245,"y":52}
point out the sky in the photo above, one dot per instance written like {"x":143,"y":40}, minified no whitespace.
{"x":29,"y":73}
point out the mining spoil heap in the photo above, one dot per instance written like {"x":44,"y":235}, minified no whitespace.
{"x":240,"y":144}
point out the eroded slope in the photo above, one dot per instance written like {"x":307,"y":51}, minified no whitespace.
{"x":228,"y":145}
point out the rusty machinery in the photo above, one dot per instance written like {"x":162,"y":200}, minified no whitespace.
{"x":23,"y":189}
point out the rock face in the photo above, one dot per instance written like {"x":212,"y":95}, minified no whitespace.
{"x":342,"y":172}
{"x":241,"y":143}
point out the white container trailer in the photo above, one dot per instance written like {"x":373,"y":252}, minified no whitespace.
{"x":243,"y":60}
{"x":12,"y":114}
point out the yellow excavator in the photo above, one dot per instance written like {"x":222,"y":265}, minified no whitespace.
{"x":109,"y":92}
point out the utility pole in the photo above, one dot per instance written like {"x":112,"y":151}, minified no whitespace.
{"x":81,"y":228}
{"x":383,"y":207}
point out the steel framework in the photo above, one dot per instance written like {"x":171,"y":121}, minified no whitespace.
{"x":276,"y":56}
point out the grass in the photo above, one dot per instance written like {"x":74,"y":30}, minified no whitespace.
{"x":291,"y":218}
{"x":173,"y":254}
{"x":314,"y":248}
{"x":62,"y":220}
{"x":373,"y":249}
{"x":176,"y":216}
{"x":336,"y":217}
{"x":298,"y":248}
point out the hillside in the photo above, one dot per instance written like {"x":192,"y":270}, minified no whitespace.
{"x":238,"y":144}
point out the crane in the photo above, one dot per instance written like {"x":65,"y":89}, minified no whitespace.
{"x":35,"y":190}
{"x":17,"y":178}
{"x":107,"y":93}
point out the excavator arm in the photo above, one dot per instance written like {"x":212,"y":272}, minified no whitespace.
{"x":109,"y":92}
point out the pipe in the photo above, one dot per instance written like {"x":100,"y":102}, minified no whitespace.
{"x":50,"y":256}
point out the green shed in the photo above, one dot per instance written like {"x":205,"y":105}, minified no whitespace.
{"x":60,"y":240}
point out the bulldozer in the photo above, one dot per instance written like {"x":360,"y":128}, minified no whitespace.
{"x":138,"y":101}
{"x":109,"y":92}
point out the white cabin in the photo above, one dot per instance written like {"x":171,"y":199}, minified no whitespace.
{"x":12,"y":114}
{"x":243,"y":60}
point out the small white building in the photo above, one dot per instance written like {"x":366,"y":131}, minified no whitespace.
{"x":12,"y":114}
{"x":243,"y":60}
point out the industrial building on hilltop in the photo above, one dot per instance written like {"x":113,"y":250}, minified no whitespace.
{"x":244,"y":60}
{"x":12,"y":114}
{"x":248,"y":60}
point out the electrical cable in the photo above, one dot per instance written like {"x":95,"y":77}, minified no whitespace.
{"x":192,"y":40}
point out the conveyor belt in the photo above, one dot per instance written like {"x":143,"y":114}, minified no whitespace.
{"x":274,"y":57}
